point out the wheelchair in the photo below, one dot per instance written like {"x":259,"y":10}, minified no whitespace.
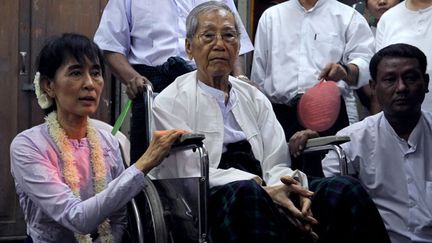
{"x":175,"y":210}
{"x":167,"y":210}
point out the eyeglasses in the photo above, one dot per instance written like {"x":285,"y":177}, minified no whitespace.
{"x":226,"y":36}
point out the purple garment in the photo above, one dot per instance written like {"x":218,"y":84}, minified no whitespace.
{"x":51,"y":210}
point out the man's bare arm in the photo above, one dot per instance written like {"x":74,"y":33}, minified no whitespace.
{"x":122,"y":69}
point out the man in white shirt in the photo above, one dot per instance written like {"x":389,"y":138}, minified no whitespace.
{"x":300,"y":42}
{"x":391,"y":151}
{"x":409,"y":22}
{"x":144,"y":42}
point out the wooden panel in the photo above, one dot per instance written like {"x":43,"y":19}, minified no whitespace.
{"x":53,"y":17}
{"x":24,"y":27}
{"x":11,"y":221}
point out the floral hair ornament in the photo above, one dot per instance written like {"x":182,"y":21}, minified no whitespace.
{"x":44,"y":100}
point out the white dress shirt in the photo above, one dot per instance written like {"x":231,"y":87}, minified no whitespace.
{"x":184,"y":105}
{"x":232,"y":131}
{"x":401,"y":25}
{"x":293,"y":45}
{"x":396,"y":173}
{"x":52,"y":212}
{"x":149,"y":32}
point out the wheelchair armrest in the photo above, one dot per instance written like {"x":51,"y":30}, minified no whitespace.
{"x":194,"y":142}
{"x":328,"y":140}
{"x":329,"y":143}
{"x":189,"y":139}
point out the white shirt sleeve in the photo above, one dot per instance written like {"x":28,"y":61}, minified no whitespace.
{"x":245,"y":42}
{"x":359,"y":47}
{"x":113,"y":33}
{"x":379,"y":36}
{"x":260,"y":58}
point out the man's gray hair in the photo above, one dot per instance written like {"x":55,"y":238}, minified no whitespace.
{"x":192,"y":18}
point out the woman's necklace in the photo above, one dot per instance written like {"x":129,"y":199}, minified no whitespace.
{"x":70,"y":171}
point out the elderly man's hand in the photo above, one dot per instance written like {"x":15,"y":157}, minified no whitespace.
{"x":298,"y":141}
{"x":136,"y":86}
{"x":302,"y":214}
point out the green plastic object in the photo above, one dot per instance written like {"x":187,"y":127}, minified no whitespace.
{"x":122,"y":116}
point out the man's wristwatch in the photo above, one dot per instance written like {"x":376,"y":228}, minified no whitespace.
{"x":241,"y":76}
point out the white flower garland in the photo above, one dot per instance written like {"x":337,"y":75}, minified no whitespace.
{"x":71,"y":173}
{"x":44,"y":100}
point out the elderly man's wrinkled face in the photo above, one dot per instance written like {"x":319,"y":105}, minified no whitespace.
{"x":215,"y":45}
{"x":400,"y":86}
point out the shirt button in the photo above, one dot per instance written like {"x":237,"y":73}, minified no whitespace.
{"x":410,"y":180}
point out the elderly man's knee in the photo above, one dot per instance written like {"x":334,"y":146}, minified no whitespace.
{"x":335,"y":189}
{"x":246,"y":188}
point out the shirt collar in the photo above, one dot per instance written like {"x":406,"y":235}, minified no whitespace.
{"x":219,"y":95}
{"x":415,"y":135}
{"x":318,"y":4}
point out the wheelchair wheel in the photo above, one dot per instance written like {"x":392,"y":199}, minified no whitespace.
{"x":154,"y":224}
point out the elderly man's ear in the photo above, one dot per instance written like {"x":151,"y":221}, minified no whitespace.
{"x":188,"y":48}
{"x":427,"y":79}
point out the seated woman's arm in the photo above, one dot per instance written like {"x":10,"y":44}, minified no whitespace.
{"x":38,"y":175}
{"x":39,"y":180}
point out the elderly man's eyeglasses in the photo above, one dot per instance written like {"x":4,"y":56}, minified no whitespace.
{"x":210,"y":36}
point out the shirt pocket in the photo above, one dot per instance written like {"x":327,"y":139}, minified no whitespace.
{"x":328,"y":48}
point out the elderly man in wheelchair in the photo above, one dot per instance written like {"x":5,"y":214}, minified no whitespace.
{"x":254,"y":195}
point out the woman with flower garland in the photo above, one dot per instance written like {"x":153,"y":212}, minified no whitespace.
{"x":69,"y":176}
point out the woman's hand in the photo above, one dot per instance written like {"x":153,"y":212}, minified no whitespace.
{"x":302,"y":214}
{"x":158,"y":149}
{"x":298,"y":141}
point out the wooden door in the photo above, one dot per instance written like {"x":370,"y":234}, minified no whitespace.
{"x":11,"y":220}
{"x":25,"y":25}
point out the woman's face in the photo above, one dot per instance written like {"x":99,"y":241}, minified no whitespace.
{"x":76,"y":88}
{"x":215,"y":45}
{"x":378,"y":7}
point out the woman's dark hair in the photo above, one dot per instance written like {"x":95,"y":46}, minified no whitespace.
{"x":57,"y":50}
{"x":397,"y":50}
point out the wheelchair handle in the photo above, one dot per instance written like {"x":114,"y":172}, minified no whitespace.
{"x":148,"y":102}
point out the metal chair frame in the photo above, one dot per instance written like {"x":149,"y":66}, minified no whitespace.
{"x":329,"y":143}
{"x":161,"y":231}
